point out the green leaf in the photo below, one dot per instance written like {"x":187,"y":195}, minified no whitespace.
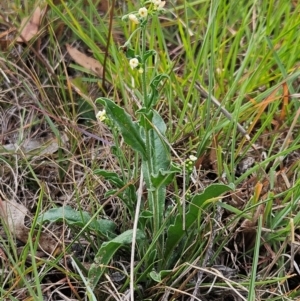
{"x":131,"y":131}
{"x":106,"y":253}
{"x":159,"y":123}
{"x":153,"y":97}
{"x":160,"y":159}
{"x":80,"y":219}
{"x":158,"y":277}
{"x":234,"y":210}
{"x":149,"y":53}
{"x":130,"y":53}
{"x":110,"y":192}
{"x":164,"y":177}
{"x":197,"y":205}
{"x":145,"y":217}
{"x":110,"y":176}
{"x":146,"y":118}
{"x":160,"y":149}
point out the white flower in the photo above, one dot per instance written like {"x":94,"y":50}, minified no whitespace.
{"x":158,"y":4}
{"x":101,"y":115}
{"x":134,"y":19}
{"x":193,"y":158}
{"x":143,"y":12}
{"x":161,"y":4}
{"x":133,"y":63}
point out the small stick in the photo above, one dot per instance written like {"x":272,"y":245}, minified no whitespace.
{"x":205,"y":94}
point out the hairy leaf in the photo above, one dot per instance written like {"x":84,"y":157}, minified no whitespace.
{"x":106,"y":253}
{"x":80,"y":219}
{"x":198,"y":203}
{"x":130,"y":130}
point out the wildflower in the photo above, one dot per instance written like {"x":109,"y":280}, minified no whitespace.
{"x":133,"y":18}
{"x":189,"y":163}
{"x":143,"y":12}
{"x":188,"y":195}
{"x":141,"y":70}
{"x":133,"y":63}
{"x":158,"y":4}
{"x":193,"y":158}
{"x":101,"y":115}
{"x":161,"y":5}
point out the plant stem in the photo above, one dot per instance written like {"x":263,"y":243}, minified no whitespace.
{"x":152,"y":194}
{"x":144,"y":77}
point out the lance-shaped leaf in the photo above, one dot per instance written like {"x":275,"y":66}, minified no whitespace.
{"x":80,"y":219}
{"x":164,"y":177}
{"x":148,"y":54}
{"x":197,"y":204}
{"x":153,"y":96}
{"x":107,"y":251}
{"x":130,"y":131}
{"x":110,"y":176}
{"x":161,"y":162}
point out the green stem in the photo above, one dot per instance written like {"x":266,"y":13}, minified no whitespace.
{"x":144,"y":77}
{"x":152,"y":194}
{"x":145,"y":98}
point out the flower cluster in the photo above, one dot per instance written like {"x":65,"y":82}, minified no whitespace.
{"x":101,"y":115}
{"x":188,"y":195}
{"x":158,"y":4}
{"x":142,"y":13}
{"x":190,"y":162}
{"x":141,"y":17}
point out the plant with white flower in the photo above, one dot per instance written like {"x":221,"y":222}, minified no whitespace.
{"x":101,"y":115}
{"x":140,"y":17}
{"x":189,"y":163}
{"x":133,"y":18}
{"x":193,"y":158}
{"x":145,"y":134}
{"x":158,"y":4}
{"x":161,"y":5}
{"x":133,"y":63}
{"x":143,"y":12}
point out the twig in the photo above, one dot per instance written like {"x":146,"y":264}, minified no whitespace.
{"x":205,"y":94}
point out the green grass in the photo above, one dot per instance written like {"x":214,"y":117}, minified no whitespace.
{"x":240,"y":244}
